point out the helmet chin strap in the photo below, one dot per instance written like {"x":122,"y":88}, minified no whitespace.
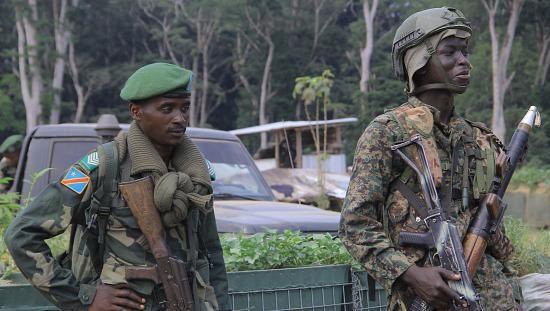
{"x":440,"y":75}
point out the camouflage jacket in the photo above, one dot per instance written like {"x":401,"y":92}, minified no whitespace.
{"x":73,"y":288}
{"x":374,"y":213}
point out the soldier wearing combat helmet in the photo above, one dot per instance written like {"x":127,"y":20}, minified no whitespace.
{"x":107,"y":239}
{"x":9,"y":154}
{"x":430,"y":54}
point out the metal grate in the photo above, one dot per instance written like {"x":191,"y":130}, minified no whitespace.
{"x":348,"y":296}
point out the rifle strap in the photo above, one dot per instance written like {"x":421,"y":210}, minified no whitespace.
{"x":414,"y":199}
{"x":109,"y":172}
{"x":192,"y":224}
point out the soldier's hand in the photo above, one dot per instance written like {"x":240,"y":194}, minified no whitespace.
{"x":429,"y":283}
{"x":116,"y":298}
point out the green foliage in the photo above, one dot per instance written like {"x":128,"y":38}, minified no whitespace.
{"x":8,"y":210}
{"x":531,"y":176}
{"x":532,"y":247}
{"x":34,"y":177}
{"x":270,"y":250}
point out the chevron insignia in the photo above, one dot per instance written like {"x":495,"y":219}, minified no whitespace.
{"x":75,"y":180}
{"x":211,"y":171}
{"x":89,"y":162}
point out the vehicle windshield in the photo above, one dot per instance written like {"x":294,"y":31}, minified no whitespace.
{"x":236,"y":175}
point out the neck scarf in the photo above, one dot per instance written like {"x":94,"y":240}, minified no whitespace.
{"x":175,"y":192}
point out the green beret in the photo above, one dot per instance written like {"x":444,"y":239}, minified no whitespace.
{"x":157,"y":79}
{"x":11,"y":144}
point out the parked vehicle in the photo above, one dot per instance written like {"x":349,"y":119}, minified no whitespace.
{"x":243,"y":200}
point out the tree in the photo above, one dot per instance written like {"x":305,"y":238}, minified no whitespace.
{"x":541,"y":13}
{"x":500,"y":56}
{"x":61,"y":38}
{"x":369,"y":13}
{"x":29,"y":72}
{"x":314,"y":91}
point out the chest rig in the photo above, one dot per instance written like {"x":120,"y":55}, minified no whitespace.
{"x":461,"y":157}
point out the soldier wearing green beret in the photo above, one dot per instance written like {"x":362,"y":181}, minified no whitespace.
{"x":430,"y":53}
{"x":9,"y":151}
{"x":107,"y":238}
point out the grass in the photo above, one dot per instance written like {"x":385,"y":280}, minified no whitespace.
{"x":532,"y":247}
{"x":531,"y":176}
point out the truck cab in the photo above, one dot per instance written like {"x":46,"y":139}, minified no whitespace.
{"x":243,"y":201}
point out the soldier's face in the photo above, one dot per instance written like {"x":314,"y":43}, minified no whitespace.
{"x":452,"y":53}
{"x":163,"y":120}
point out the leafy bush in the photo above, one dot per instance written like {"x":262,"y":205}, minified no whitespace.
{"x":532,"y":247}
{"x":531,"y":176}
{"x":270,"y":250}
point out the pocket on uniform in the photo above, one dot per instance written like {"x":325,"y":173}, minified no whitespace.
{"x":398,"y":208}
{"x":206,"y":293}
{"x":124,"y":216}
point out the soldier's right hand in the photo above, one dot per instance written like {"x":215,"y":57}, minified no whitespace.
{"x":116,"y":298}
{"x":429,"y":283}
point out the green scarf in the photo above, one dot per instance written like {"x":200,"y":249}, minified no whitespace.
{"x":175,"y":192}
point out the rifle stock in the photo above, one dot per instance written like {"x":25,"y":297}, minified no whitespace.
{"x":491,"y":211}
{"x":139,"y":197}
{"x":171,"y":271}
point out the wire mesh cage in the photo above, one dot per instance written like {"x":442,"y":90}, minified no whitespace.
{"x":330,"y":288}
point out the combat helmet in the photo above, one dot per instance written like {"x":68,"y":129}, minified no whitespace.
{"x":420,"y":26}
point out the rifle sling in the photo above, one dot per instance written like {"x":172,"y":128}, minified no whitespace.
{"x":110,"y":170}
{"x":447,"y":200}
{"x":414,"y":199}
{"x":192,"y":223}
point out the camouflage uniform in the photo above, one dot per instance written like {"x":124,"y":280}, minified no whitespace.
{"x":374,"y":212}
{"x":6,"y":171}
{"x":74,"y":288}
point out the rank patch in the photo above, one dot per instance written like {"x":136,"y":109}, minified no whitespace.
{"x":89,"y":162}
{"x":75,"y":180}
{"x":211,"y":171}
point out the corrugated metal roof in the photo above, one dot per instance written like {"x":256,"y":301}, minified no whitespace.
{"x":289,"y":125}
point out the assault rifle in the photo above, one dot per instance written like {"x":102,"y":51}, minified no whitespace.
{"x":490,"y":213}
{"x":169,"y":271}
{"x":442,"y":239}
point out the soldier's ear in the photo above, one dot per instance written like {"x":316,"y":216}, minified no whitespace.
{"x":135,"y":111}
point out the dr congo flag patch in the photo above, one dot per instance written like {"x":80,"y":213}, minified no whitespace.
{"x":75,"y":180}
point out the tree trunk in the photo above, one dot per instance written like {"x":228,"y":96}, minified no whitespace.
{"x":204,"y":95}
{"x":28,"y":63}
{"x":544,"y":57}
{"x":193,"y":111}
{"x":500,"y":58}
{"x":80,"y":96}
{"x":265,"y":88}
{"x":61,"y":35}
{"x":366,"y":53}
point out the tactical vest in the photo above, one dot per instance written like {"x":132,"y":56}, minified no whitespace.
{"x":91,"y":259}
{"x":474,"y":151}
{"x":473,"y":157}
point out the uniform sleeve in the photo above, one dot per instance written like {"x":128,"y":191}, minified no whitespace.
{"x":48,"y":215}
{"x":218,"y":274}
{"x":361,"y":223}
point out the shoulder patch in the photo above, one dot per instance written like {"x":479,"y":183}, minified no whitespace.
{"x":75,"y":180}
{"x":89,"y":162}
{"x":211,"y":170}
